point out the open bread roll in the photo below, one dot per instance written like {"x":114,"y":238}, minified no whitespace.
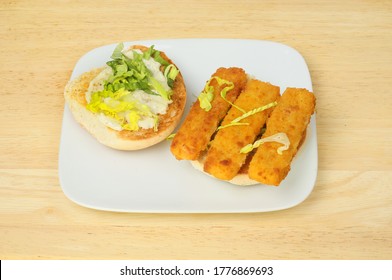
{"x":144,"y":121}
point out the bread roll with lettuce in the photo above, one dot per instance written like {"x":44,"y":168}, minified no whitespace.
{"x":135,"y":101}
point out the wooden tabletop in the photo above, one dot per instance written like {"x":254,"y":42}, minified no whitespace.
{"x":348,"y":48}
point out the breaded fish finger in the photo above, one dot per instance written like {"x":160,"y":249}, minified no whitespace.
{"x":291,"y":116}
{"x":224,"y":159}
{"x":195,"y":133}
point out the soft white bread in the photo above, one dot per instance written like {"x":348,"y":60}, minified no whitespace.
{"x":241,"y":179}
{"x":75,"y":96}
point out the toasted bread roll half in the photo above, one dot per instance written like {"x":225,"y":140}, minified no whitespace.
{"x":133,"y":102}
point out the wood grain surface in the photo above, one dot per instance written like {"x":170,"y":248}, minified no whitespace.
{"x":348,"y":48}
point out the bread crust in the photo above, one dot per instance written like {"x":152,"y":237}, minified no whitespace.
{"x":75,"y":96}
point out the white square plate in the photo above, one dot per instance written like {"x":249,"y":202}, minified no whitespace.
{"x":152,"y":180}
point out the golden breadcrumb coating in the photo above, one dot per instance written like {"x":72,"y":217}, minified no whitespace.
{"x":195,"y":133}
{"x":291,"y":116}
{"x":224,"y":159}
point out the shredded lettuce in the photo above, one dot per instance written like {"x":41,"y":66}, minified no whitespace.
{"x":132,"y":73}
{"x":280,"y":137}
{"x":120,"y":107}
{"x":147,"y":54}
{"x":230,"y":86}
{"x":133,"y":118}
{"x":254,"y":111}
{"x":207,"y":95}
{"x":171,"y":73}
{"x":159,"y":88}
{"x":171,"y":136}
{"x":117,"y":53}
{"x":158,"y":58}
{"x":236,"y":121}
